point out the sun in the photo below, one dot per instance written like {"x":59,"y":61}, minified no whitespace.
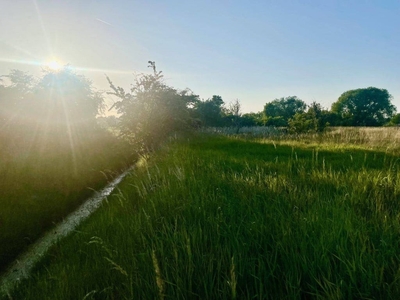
{"x":54,"y":65}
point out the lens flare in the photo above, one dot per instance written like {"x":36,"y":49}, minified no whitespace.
{"x":54,"y":65}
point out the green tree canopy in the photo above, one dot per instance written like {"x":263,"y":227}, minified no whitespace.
{"x":152,"y":110}
{"x":316,"y":119}
{"x":59,"y":99}
{"x":394,"y":121}
{"x":211,"y":111}
{"x":252,"y":119}
{"x":234,"y":114}
{"x":279,"y":111}
{"x":364,"y":107}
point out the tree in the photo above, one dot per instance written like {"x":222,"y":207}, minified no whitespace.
{"x":364,"y":107}
{"x":14,"y":94}
{"x":234,"y":113}
{"x":279,"y":111}
{"x":69,"y":98}
{"x":252,"y":119}
{"x":151,"y":110}
{"x":20,"y":80}
{"x":55,"y":113}
{"x":210,"y":112}
{"x":62,"y":100}
{"x":394,"y":121}
{"x":312,"y":121}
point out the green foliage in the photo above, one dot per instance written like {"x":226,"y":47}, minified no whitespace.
{"x":279,"y":111}
{"x":394,"y":121}
{"x":252,"y":119}
{"x":364,"y":107}
{"x":302,"y":123}
{"x":152,"y":110}
{"x":52,"y":153}
{"x":210,"y":112}
{"x":235,"y":112}
{"x":278,"y":121}
{"x":61,"y":103}
{"x":109,"y":122}
{"x":70,"y":97}
{"x":214,"y":113}
{"x":314,"y":120}
{"x":331,"y":118}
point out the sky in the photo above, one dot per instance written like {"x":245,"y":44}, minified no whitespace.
{"x":253,"y":51}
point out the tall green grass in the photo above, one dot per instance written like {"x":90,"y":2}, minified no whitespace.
{"x":382,"y":138}
{"x":44,"y":178}
{"x":225,"y":218}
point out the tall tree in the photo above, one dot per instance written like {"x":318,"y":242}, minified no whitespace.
{"x":316,"y":119}
{"x":58,"y":99}
{"x":53,"y":114}
{"x":234,"y":113}
{"x":279,"y":111}
{"x":69,"y":98}
{"x":151,"y":110}
{"x":211,"y":111}
{"x":365,"y":107}
{"x":15,"y":91}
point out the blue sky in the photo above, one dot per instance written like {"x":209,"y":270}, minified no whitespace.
{"x":254,"y":51}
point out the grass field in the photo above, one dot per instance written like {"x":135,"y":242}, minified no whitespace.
{"x":45,"y":178}
{"x":216,"y":217}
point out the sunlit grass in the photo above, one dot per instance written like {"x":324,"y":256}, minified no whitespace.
{"x":45,"y":175}
{"x":382,"y":138}
{"x":217,"y":218}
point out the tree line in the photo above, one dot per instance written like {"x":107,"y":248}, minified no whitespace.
{"x":65,"y":103}
{"x":56,"y":108}
{"x":360,"y":107}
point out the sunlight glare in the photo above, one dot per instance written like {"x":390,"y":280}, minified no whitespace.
{"x":54,"y":65}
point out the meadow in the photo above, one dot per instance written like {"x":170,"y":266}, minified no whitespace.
{"x":46,"y":176}
{"x":241,"y":217}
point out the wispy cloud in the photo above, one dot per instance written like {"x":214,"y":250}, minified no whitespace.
{"x":102,"y":21}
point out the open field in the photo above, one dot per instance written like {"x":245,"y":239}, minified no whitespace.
{"x":374,"y":138}
{"x":42,"y":180}
{"x":216,"y":217}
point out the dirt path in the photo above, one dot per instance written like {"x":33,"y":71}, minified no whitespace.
{"x":23,"y":265}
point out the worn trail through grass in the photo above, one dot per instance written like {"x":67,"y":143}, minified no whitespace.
{"x":23,"y":265}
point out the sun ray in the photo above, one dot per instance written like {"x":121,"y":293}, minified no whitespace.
{"x":19,"y":49}
{"x":87,"y":69}
{"x":70,"y":134}
{"x":18,"y":61}
{"x":40,"y":19}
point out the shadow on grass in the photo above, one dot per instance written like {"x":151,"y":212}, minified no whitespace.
{"x":338,"y":159}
